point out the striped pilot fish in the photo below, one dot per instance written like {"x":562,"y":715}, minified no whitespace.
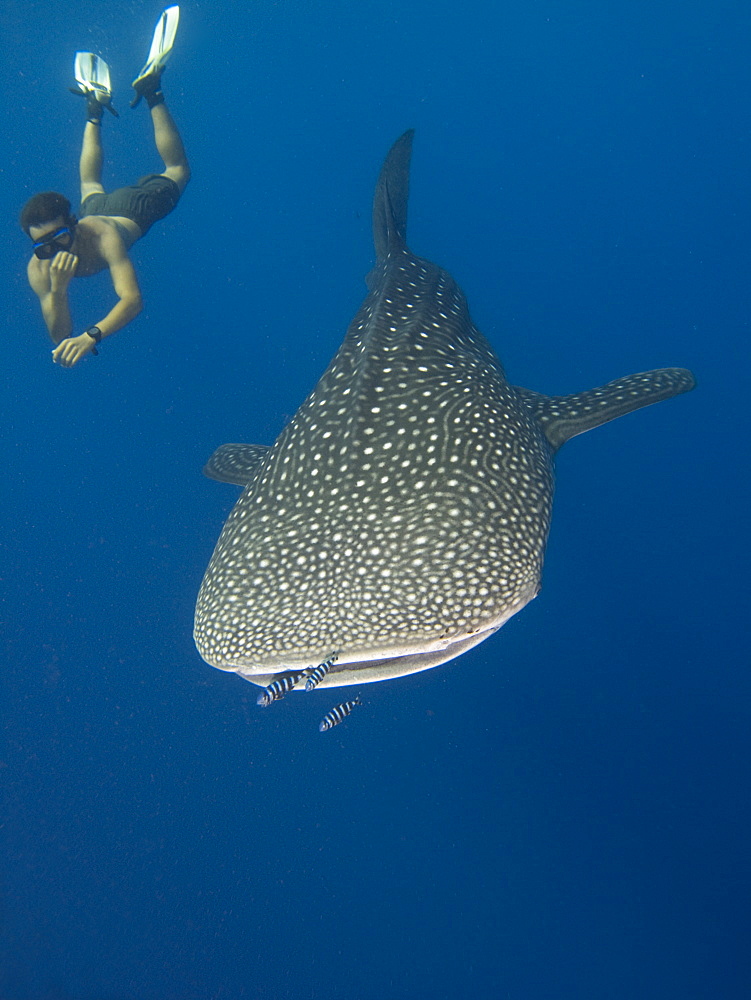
{"x":316,"y":675}
{"x":278,"y":688}
{"x":338,"y":714}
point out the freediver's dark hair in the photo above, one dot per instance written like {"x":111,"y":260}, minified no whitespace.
{"x":43,"y":208}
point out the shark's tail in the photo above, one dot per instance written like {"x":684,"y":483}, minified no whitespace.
{"x":390,"y":200}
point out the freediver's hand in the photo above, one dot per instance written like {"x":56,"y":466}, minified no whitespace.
{"x":62,"y":269}
{"x":70,"y":351}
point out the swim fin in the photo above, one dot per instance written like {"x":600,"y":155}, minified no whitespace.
{"x":159,"y":53}
{"x":93,"y":82}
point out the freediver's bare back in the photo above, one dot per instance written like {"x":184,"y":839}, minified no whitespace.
{"x":99,"y":242}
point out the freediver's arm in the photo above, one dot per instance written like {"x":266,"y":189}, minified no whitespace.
{"x":128,"y":306}
{"x":50,"y":283}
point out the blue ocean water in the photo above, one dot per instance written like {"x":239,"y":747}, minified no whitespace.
{"x":562,"y":812}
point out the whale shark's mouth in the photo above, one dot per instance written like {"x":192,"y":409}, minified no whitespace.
{"x":367,"y":665}
{"x":367,"y":671}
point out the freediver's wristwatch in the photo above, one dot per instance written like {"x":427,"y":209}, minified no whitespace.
{"x":95,"y":333}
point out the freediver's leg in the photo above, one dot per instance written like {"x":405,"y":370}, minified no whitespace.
{"x":92,"y":158}
{"x":170,"y":146}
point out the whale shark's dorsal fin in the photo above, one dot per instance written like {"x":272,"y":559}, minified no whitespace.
{"x":390,"y":199}
{"x":563,"y":417}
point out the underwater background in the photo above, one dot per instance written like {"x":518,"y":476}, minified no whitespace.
{"x":562,"y":812}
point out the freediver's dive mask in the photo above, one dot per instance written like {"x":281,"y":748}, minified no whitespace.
{"x":61,"y":239}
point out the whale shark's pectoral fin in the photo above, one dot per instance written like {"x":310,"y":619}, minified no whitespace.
{"x":563,"y":417}
{"x":235,"y":463}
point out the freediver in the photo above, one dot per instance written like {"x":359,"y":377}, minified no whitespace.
{"x":65,"y":246}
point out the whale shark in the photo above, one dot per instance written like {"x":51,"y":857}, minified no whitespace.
{"x":401,"y":516}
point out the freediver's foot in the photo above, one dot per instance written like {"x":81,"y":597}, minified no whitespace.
{"x":94,"y":107}
{"x":149,"y":88}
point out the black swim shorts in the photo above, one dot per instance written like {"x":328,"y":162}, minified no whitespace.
{"x":145,"y":202}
